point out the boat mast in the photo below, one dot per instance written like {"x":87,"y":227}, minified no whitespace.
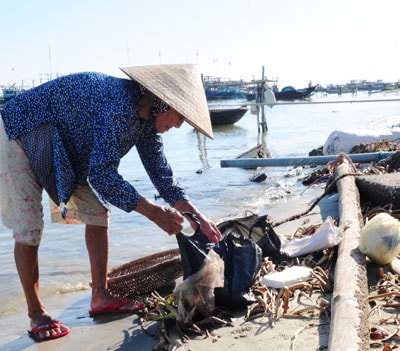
{"x":260,"y":99}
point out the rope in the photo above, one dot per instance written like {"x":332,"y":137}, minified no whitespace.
{"x":327,"y":190}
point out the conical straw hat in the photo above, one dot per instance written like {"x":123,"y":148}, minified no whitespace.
{"x":181,"y":87}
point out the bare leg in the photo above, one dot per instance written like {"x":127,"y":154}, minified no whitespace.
{"x":26,"y":260}
{"x":97,"y":246}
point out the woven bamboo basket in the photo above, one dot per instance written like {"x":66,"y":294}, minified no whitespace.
{"x":144,"y":275}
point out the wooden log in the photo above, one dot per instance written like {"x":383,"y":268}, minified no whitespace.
{"x":349,"y":329}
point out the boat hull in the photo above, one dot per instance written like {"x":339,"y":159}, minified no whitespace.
{"x":221,"y":117}
{"x":289,"y":93}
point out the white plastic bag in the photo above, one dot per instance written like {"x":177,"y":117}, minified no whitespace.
{"x":326,"y":236}
{"x":195,"y":294}
{"x":380,"y":238}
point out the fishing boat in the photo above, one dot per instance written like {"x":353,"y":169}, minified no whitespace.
{"x":290,"y":93}
{"x":223,"y":116}
{"x":223,"y":93}
{"x":10,"y":93}
{"x":220,"y":89}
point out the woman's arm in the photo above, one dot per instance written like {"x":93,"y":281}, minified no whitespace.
{"x":166,"y":218}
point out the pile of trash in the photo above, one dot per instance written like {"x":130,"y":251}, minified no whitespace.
{"x":297,"y":286}
{"x":286,"y":278}
{"x":375,"y":147}
{"x":295,"y":283}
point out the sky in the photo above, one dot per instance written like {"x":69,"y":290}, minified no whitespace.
{"x":294,"y":41}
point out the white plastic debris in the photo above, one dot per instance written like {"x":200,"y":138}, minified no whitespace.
{"x":380,"y":238}
{"x":327,"y":235}
{"x":294,"y":172}
{"x":288,"y":277}
{"x":344,"y":140}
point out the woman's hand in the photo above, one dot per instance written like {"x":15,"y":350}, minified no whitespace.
{"x":166,"y":218}
{"x":209,"y":229}
{"x":169,"y":220}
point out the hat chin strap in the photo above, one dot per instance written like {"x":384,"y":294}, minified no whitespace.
{"x":145,"y":104}
{"x":144,"y":113}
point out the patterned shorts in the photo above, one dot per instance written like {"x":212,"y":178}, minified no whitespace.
{"x":21,"y":197}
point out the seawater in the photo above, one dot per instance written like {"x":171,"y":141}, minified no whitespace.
{"x":220,"y":193}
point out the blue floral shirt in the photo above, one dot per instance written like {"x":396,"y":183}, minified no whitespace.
{"x":94,"y":119}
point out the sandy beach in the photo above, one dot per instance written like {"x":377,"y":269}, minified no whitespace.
{"x":124,"y":332}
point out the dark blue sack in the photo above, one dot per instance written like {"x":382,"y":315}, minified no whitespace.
{"x":242,"y":258}
{"x":260,"y":230}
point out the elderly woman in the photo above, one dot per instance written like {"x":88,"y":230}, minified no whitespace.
{"x":67,"y":137}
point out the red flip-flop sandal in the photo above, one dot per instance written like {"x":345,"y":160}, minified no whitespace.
{"x":120,"y":306}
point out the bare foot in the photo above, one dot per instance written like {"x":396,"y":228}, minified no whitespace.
{"x":46,"y":328}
